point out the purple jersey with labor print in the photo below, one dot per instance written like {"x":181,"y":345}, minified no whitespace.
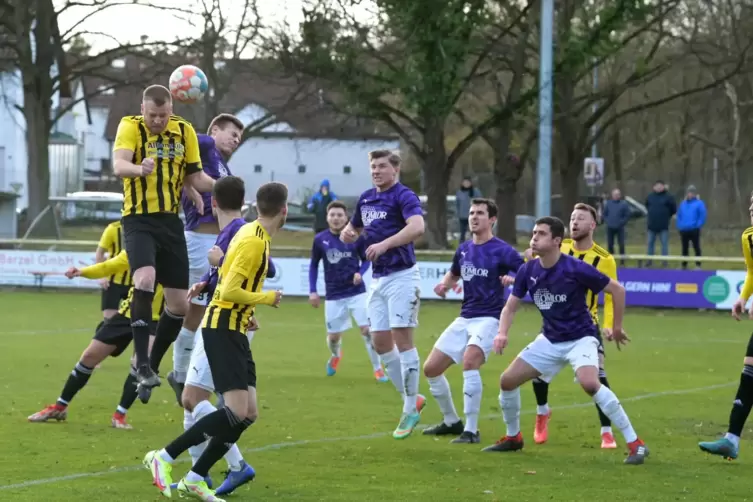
{"x":213,"y":163}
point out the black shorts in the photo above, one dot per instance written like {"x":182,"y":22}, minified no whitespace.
{"x":117,"y":331}
{"x":230,"y":359}
{"x":157,"y":240}
{"x":112,"y":296}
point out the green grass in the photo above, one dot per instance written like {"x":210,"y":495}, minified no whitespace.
{"x":320,"y":438}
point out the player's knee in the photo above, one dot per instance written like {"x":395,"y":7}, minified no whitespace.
{"x":144,"y":278}
{"x":506,"y":383}
{"x":95,"y":353}
{"x":589,"y":382}
{"x":382,"y":341}
{"x":473,"y":358}
{"x":431,"y":370}
{"x":748,"y":361}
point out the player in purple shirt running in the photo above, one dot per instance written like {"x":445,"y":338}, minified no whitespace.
{"x":390,"y":219}
{"x":558,"y":284}
{"x":484,"y":264}
{"x":202,"y":229}
{"x":344,"y":267}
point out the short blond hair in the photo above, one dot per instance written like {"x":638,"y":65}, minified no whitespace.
{"x":157,"y":94}
{"x":222,"y":120}
{"x":393,"y":158}
{"x":580,"y":206}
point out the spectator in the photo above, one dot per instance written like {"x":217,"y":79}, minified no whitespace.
{"x":318,"y":206}
{"x":463,"y":201}
{"x":661,"y":207}
{"x":691,"y":216}
{"x":616,"y":215}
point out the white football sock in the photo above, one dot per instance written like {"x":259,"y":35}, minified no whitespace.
{"x":193,"y":477}
{"x":334,"y":347}
{"x":735,"y":440}
{"x":393,"y":368}
{"x":196,"y":450}
{"x":182,"y":353}
{"x":509,"y":401}
{"x":610,"y":405}
{"x":376,"y":364}
{"x":440,"y":389}
{"x":250,"y":335}
{"x":410,"y":365}
{"x":542,"y":409}
{"x":472,"y":389}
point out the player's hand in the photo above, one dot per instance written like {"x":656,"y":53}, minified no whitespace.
{"x":72,"y":272}
{"x":500,"y":343}
{"x":196,"y":290}
{"x":278,"y":298}
{"x":441,"y":290}
{"x":214,"y":255}
{"x":314,"y":300}
{"x":607,"y":334}
{"x":619,"y":337}
{"x":253,"y":324}
{"x":348,"y":236}
{"x":147,"y":166}
{"x":199,"y":203}
{"x":507,"y":280}
{"x":104,"y":283}
{"x":528,"y":254}
{"x":738,"y":309}
{"x":375,"y":251}
{"x":357,"y":279}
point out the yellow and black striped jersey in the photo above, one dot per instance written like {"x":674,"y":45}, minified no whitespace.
{"x":176,"y":154}
{"x":604,"y":262}
{"x":240,"y":281}
{"x":112,"y":242}
{"x":747,"y":241}
{"x":117,"y":265}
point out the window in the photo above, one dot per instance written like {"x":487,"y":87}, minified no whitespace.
{"x":346,"y":169}
{"x":257,"y":168}
{"x":301,"y":169}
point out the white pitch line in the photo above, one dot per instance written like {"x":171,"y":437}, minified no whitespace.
{"x":290,"y":444}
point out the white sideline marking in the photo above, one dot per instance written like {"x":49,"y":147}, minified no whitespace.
{"x":289,"y":444}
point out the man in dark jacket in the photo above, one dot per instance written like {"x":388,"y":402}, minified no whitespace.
{"x":463,"y":199}
{"x":616,"y":215}
{"x":661,"y":207}
{"x":318,"y":206}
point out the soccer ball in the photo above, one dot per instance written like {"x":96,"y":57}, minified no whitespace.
{"x":188,"y":84}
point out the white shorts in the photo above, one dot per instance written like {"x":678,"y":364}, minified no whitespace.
{"x":394,"y":300}
{"x":337,"y":313}
{"x":462,"y":332}
{"x":199,"y":373}
{"x":549,"y":358}
{"x":198,"y":246}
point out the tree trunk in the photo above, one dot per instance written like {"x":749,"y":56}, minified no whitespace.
{"x":38,"y":174}
{"x":437,"y":178}
{"x":619,"y":176}
{"x":507,"y":171}
{"x":572,"y":170}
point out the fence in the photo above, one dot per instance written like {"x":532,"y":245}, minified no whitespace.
{"x":663,"y":288}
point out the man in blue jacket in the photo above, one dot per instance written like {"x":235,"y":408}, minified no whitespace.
{"x":318,"y":206}
{"x":691,"y":216}
{"x":661,"y":207}
{"x":616,"y":215}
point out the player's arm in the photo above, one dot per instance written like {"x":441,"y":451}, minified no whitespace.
{"x":115,"y":265}
{"x":271,"y":269}
{"x":414,"y":222}
{"x":123,"y":150}
{"x":196,"y":178}
{"x":747,"y":288}
{"x":608,"y":267}
{"x":316,"y":257}
{"x":105,"y":243}
{"x":247,"y":262}
{"x":616,"y":291}
{"x":365,"y":263}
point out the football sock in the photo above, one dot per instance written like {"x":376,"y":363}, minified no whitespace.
{"x":376,"y":364}
{"x":410,"y":364}
{"x":221,"y":425}
{"x":76,"y":381}
{"x":250,"y":335}
{"x":606,"y":424}
{"x":141,"y":317}
{"x":233,"y":456}
{"x":440,"y":389}
{"x":610,"y":405}
{"x":182,"y":353}
{"x":743,"y":402}
{"x":393,"y":368}
{"x":196,"y":450}
{"x":472,"y":389}
{"x":509,"y":401}
{"x":130,"y":391}
{"x":167,"y":331}
{"x":334,"y":346}
{"x":220,"y":444}
{"x":541,"y":391}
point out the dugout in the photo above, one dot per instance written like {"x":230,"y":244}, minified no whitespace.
{"x":8,"y":215}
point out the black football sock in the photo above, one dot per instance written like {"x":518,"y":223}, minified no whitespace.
{"x":541,"y":391}
{"x":76,"y":381}
{"x":216,"y":424}
{"x":605,"y":422}
{"x":218,"y":447}
{"x":167,"y":332}
{"x":743,"y":402}
{"x":130,"y":392}
{"x":141,"y":317}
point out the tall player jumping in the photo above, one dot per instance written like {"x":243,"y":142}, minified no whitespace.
{"x":390,"y":218}
{"x":201,"y":231}
{"x":155,"y":153}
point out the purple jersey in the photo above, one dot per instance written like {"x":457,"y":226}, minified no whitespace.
{"x":341,"y":262}
{"x":559,"y":293}
{"x":382,"y":215}
{"x":480,"y":266}
{"x":215,"y":166}
{"x":223,"y":242}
